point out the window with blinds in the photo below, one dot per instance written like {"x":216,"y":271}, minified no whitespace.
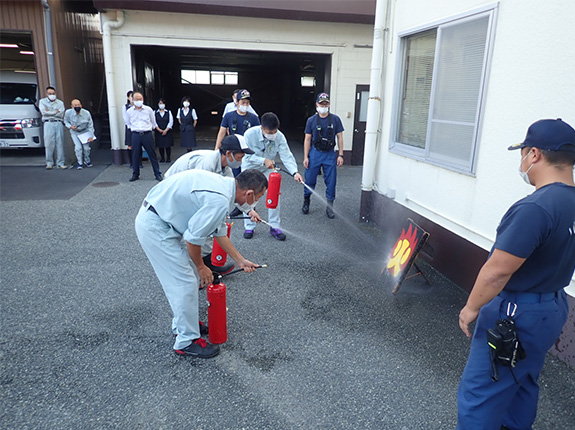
{"x":443,"y":75}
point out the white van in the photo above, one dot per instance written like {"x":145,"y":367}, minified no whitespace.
{"x":20,"y":119}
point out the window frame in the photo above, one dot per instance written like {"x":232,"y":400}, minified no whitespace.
{"x":422,"y":154}
{"x":224,"y":74}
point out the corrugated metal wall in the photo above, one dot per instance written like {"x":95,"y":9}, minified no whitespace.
{"x":79,"y":57}
{"x":78,"y":54}
{"x":28,"y":16}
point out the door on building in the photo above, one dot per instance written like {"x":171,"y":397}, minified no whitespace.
{"x":359,"y":123}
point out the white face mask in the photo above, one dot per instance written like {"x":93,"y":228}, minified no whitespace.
{"x":234,"y":164}
{"x":162,"y":107}
{"x":139,"y":103}
{"x":270,"y":137}
{"x":524,"y":175}
{"x":246,"y":207}
{"x":186,"y":104}
{"x":243,"y":108}
{"x":322,"y":110}
{"x":52,"y":97}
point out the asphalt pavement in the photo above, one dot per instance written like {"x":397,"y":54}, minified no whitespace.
{"x":315,"y":341}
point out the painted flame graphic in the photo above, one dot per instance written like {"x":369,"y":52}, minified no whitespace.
{"x":402,"y":250}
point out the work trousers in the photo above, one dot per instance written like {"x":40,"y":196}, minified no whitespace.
{"x":177,"y":273}
{"x":145,"y":140}
{"x":273,"y":214}
{"x":326,"y":160}
{"x":484,"y":404}
{"x":54,"y":142}
{"x":82,"y":150}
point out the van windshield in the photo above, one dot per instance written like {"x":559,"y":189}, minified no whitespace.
{"x":17,"y":94}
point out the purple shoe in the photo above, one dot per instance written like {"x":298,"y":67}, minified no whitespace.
{"x":248,"y":234}
{"x":277,"y":233}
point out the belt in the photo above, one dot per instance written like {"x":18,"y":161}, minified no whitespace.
{"x":150,"y":207}
{"x":53,"y":120}
{"x":142,"y":132}
{"x":518,"y":297}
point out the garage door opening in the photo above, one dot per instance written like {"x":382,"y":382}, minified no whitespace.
{"x":279,"y":82}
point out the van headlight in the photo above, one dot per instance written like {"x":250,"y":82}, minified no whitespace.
{"x":30,"y":122}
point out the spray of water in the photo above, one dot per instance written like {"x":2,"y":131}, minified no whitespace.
{"x":332,"y":250}
{"x":365,"y":237}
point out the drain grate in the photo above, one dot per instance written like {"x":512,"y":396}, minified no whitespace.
{"x":105,"y":184}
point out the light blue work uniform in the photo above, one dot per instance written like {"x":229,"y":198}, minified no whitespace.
{"x":203,"y":159}
{"x":52,"y":117}
{"x":191,"y":205}
{"x":84,"y":124}
{"x":264,"y":148}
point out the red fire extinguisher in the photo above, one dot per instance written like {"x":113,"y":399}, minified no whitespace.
{"x":217,"y":312}
{"x":219,"y":256}
{"x":273,"y":196}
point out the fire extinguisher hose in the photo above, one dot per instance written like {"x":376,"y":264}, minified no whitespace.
{"x":219,"y":276}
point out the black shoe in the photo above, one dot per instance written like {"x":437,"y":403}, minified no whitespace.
{"x":162,"y":160}
{"x":159,"y":178}
{"x":236,"y":212}
{"x":168,"y":161}
{"x":329,"y":210}
{"x":222,"y":270}
{"x":305,"y":207}
{"x":199,"y":348}
{"x":134,"y":178}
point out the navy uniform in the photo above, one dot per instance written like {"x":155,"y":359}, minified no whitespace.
{"x":539,"y":228}
{"x":187,"y":117}
{"x":322,"y":132}
{"x":237,"y":123}
{"x":164,"y":120}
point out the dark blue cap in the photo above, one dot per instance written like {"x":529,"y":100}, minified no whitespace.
{"x":323,"y":97}
{"x":244,"y":94}
{"x":549,"y":134}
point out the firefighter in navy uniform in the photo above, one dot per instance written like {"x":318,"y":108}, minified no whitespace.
{"x":323,"y":132}
{"x":237,"y":121}
{"x":521,"y":287}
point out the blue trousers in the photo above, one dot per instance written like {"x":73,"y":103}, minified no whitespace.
{"x":326,"y":160}
{"x":145,"y":140}
{"x":484,"y":404}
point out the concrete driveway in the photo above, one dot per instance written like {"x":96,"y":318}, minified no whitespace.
{"x":316,"y":341}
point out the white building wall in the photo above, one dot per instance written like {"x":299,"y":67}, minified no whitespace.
{"x":350,"y":64}
{"x":530,"y":78}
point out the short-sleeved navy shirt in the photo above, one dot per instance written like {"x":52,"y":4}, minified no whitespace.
{"x":541,"y":228}
{"x":242,"y":122}
{"x":311,"y":127}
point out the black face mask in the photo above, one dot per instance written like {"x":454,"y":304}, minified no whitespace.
{"x":77,"y":109}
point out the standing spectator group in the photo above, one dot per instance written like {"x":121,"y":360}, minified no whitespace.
{"x":76,"y":119}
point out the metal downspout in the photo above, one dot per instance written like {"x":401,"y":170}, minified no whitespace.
{"x":374,"y":101}
{"x":116,"y":143}
{"x":49,"y":42}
